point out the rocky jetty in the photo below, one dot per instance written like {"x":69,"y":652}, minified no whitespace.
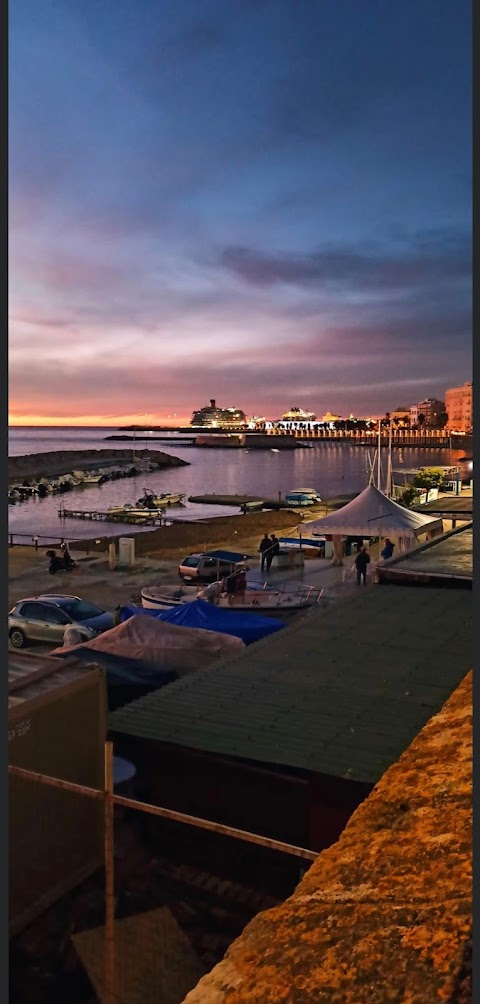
{"x":44,"y":465}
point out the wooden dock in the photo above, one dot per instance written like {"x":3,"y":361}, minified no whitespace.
{"x":251,"y":502}
{"x":149,"y":519}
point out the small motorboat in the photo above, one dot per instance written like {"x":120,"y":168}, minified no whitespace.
{"x":20,"y":493}
{"x":92,"y":479}
{"x":135,"y":510}
{"x":151,"y":500}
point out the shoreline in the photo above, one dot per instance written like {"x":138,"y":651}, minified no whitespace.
{"x":197,"y":536}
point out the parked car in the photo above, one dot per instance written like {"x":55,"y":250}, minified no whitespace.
{"x":44,"y":618}
{"x":211,"y":565}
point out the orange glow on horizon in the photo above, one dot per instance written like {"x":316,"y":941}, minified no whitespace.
{"x":102,"y":421}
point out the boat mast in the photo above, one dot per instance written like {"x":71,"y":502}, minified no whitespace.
{"x":379,"y":466}
{"x":389,"y":490}
{"x":371,"y":464}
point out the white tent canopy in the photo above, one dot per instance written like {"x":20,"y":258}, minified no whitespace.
{"x":373,"y":514}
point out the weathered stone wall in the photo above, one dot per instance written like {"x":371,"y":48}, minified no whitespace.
{"x":384,"y":915}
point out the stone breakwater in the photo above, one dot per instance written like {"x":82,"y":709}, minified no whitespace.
{"x":44,"y":465}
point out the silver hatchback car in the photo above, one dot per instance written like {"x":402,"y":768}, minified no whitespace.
{"x":44,"y":618}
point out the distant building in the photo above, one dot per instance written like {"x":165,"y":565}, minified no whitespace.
{"x":401,"y":416}
{"x":219,"y":418}
{"x":458,"y":405}
{"x":256,"y":423}
{"x":431,"y":409}
{"x":298,"y":415}
{"x":329,"y":418}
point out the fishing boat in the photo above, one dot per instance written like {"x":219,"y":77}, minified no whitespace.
{"x":252,"y":600}
{"x":134,"y":510}
{"x":159,"y":501}
{"x":20,"y":493}
{"x":92,"y":479}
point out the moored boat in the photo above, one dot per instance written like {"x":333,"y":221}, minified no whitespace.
{"x":302,"y":497}
{"x":92,"y":479}
{"x":152,"y":500}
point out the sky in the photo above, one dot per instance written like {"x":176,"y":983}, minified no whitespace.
{"x":265,"y":202}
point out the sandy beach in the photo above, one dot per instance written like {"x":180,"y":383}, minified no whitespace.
{"x":93,"y":580}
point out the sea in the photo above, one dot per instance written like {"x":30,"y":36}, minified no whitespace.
{"x":331,"y":468}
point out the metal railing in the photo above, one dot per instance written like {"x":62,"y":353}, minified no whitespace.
{"x":110,"y":800}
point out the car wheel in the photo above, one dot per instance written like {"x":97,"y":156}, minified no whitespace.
{"x":17,"y":638}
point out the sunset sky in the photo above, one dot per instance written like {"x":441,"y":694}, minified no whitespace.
{"x":263,"y":201}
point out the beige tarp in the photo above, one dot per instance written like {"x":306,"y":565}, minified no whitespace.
{"x":153,"y":641}
{"x":154,"y":961}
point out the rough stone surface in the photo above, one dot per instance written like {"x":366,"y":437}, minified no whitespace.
{"x":39,"y":465}
{"x":384,"y":915}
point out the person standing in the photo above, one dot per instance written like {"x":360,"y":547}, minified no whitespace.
{"x":388,"y":549}
{"x":362,"y":560}
{"x":264,"y":548}
{"x":274,"y":550}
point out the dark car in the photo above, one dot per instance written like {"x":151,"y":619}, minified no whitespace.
{"x":211,"y":565}
{"x":44,"y":618}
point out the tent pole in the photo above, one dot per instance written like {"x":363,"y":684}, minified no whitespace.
{"x":379,"y":469}
{"x":389,"y":463}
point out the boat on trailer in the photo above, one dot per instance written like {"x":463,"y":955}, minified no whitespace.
{"x":260,"y":600}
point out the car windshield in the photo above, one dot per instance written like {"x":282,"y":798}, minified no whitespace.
{"x":191,"y":562}
{"x":81,"y":610}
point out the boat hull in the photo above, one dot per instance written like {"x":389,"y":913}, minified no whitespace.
{"x":259,"y":602}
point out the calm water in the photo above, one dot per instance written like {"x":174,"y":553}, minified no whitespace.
{"x":333,"y":469}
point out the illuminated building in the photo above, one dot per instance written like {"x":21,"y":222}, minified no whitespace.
{"x":458,"y":405}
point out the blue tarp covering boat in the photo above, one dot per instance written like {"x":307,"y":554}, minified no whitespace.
{"x":200,"y":614}
{"x":304,"y":542}
{"x":127,"y":679}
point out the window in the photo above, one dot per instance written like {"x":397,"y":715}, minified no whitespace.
{"x":191,"y":562}
{"x":32,"y":611}
{"x":47,"y":612}
{"x":53,"y":614}
{"x":81,"y":610}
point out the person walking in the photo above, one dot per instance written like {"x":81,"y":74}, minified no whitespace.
{"x":388,"y":549}
{"x":362,"y":560}
{"x":265,"y":545}
{"x":274,"y":550}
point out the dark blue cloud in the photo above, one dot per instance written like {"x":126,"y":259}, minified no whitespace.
{"x":322,"y":145}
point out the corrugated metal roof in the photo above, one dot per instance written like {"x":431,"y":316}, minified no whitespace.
{"x":457,"y":505}
{"x":343,"y":692}
{"x":30,"y":675}
{"x":450,"y":555}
